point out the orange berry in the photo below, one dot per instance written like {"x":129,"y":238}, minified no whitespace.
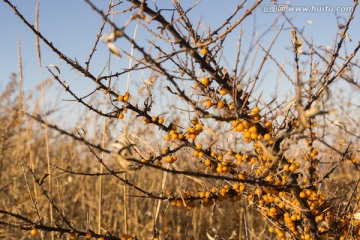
{"x":208,"y":103}
{"x":201,"y":194}
{"x":223,"y":92}
{"x":169,"y":159}
{"x":206,"y":81}
{"x":246,"y":124}
{"x":247,"y":134}
{"x":121,"y":116}
{"x":253,"y":129}
{"x":180,"y":136}
{"x":240,"y":127}
{"x":207,"y":162}
{"x":307,"y":236}
{"x":88,"y":235}
{"x":232,"y":106}
{"x":179,"y":203}
{"x":258,"y":191}
{"x":221,"y":104}
{"x":33,"y":232}
{"x":292,"y":168}
{"x":204,"y":51}
{"x":126,"y":96}
{"x":267,"y":137}
{"x":120,"y":98}
{"x":72,"y":236}
{"x":302,"y":194}
{"x":268,"y":124}
{"x":160,"y":120}
{"x":257,"y":117}
{"x":254,"y":136}
{"x":286,"y":167}
{"x":314,"y":153}
{"x":207,"y":194}
{"x":199,"y":126}
{"x":153,"y":119}
{"x":272,"y":210}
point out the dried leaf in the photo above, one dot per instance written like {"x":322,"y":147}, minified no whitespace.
{"x":141,"y":90}
{"x":290,"y":104}
{"x":233,"y":235}
{"x":348,"y":37}
{"x":211,"y":231}
{"x":111,"y":37}
{"x":113,"y":49}
{"x":295,"y":40}
{"x":54,"y":66}
{"x":212,"y":132}
{"x":312,"y":111}
{"x":114,"y":35}
{"x":339,"y":124}
{"x":357,"y":216}
{"x":150,"y":81}
{"x":302,"y":116}
{"x":266,"y":152}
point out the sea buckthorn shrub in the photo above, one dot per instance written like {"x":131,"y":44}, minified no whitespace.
{"x":189,"y":148}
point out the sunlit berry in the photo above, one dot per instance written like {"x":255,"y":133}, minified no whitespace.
{"x":126,"y":96}
{"x":221,"y":104}
{"x":33,"y":232}
{"x":268,"y":125}
{"x":267,"y":137}
{"x":160,"y":120}
{"x":206,"y":81}
{"x":255,"y":110}
{"x":204,"y":51}
{"x":223,"y":91}
{"x":120,"y":98}
{"x":208,"y":103}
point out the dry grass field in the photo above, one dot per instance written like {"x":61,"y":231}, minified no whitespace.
{"x":192,"y":149}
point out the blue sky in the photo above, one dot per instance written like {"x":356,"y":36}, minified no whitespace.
{"x":72,"y":26}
